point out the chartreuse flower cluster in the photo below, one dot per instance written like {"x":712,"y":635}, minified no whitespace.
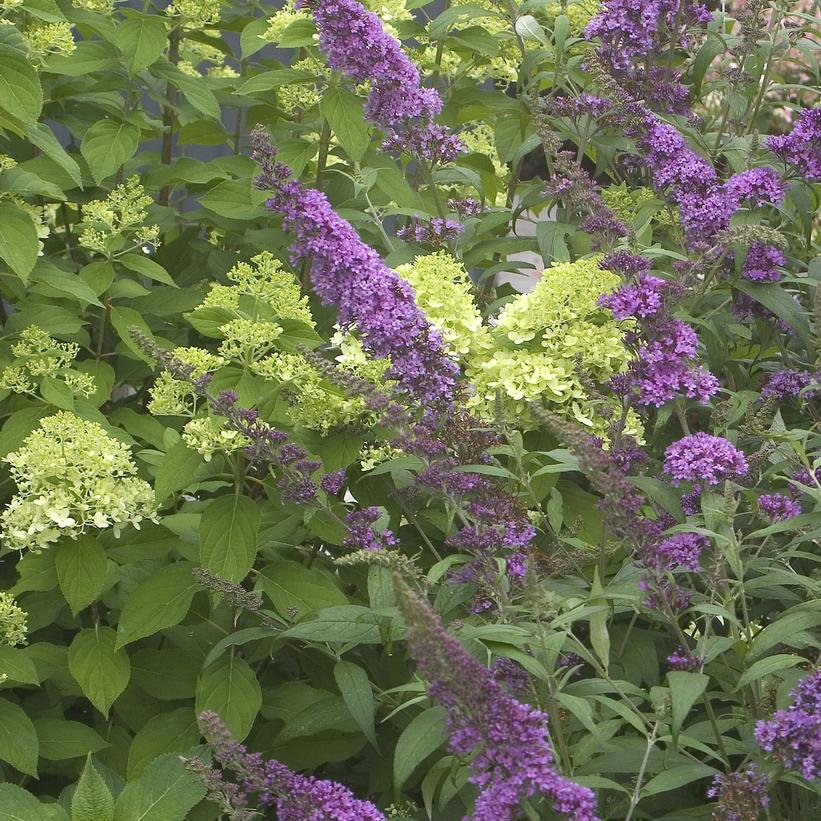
{"x":118,"y":219}
{"x":72,"y":477}
{"x":443,"y":290}
{"x":13,"y":627}
{"x":543,"y":339}
{"x":625,"y":203}
{"x":578,"y":12}
{"x":38,"y":356}
{"x":171,"y":397}
{"x":196,"y":14}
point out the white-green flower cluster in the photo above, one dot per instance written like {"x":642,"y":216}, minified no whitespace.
{"x":71,"y":477}
{"x":172,"y":397}
{"x":196,"y":14}
{"x":540,"y":341}
{"x":109,"y":223}
{"x":443,"y":290}
{"x":38,"y":355}
{"x":208,"y":435}
{"x":13,"y":627}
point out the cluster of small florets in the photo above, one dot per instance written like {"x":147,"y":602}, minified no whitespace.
{"x":578,"y":12}
{"x":175,"y":397}
{"x":802,"y":147}
{"x":209,"y":435}
{"x":37,"y":355}
{"x":701,"y":457}
{"x":540,"y":341}
{"x":778,"y":506}
{"x":443,"y":291}
{"x":794,"y":735}
{"x":626,"y":203}
{"x":248,"y":340}
{"x":741,"y":795}
{"x":71,"y":477}
{"x":50,"y":38}
{"x":102,"y":6}
{"x":194,"y":54}
{"x":119,"y":216}
{"x":196,"y":14}
{"x":303,"y":95}
{"x":788,"y":384}
{"x":13,"y":622}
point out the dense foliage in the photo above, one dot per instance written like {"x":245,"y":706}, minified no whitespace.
{"x":409,"y":410}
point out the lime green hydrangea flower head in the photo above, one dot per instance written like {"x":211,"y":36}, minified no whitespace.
{"x":172,"y":397}
{"x":38,"y":355}
{"x":625,"y":203}
{"x":196,"y":14}
{"x":578,"y":12}
{"x":443,"y":291}
{"x":248,"y":339}
{"x":104,"y":6}
{"x":541,"y":338}
{"x":281,"y":19}
{"x":265,"y":279}
{"x":50,"y":38}
{"x":209,"y":435}
{"x":71,"y":477}
{"x":13,"y":622}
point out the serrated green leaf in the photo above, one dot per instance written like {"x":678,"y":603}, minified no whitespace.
{"x":292,"y":586}
{"x":141,"y":38}
{"x":20,"y":92}
{"x":141,"y":264}
{"x":685,"y":690}
{"x":81,"y":570}
{"x":18,"y":739}
{"x":98,"y":667}
{"x":229,"y":687}
{"x":61,"y":739}
{"x":172,"y":732}
{"x":162,"y":600}
{"x":176,"y":470}
{"x":107,"y":145}
{"x":18,"y":805}
{"x":345,"y":115}
{"x":19,"y":244}
{"x":92,"y":800}
{"x":165,"y":791}
{"x":228,"y":537}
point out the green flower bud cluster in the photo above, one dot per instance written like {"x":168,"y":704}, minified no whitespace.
{"x":13,"y":627}
{"x":248,"y":339}
{"x":171,"y":397}
{"x":578,"y":12}
{"x":194,"y":52}
{"x":102,"y":6}
{"x":109,"y":223}
{"x":38,"y":356}
{"x":50,"y":38}
{"x":443,"y":290}
{"x":196,"y":14}
{"x":71,"y":476}
{"x":208,"y":435}
{"x":625,"y":203}
{"x":541,"y":339}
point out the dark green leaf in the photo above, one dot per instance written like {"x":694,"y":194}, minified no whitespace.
{"x":101,"y":670}
{"x":228,"y":537}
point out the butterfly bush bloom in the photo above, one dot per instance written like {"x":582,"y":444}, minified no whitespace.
{"x":513,"y":757}
{"x":701,"y":457}
{"x":778,"y":506}
{"x":295,"y":797}
{"x":72,"y":477}
{"x":801,"y":148}
{"x":741,"y":795}
{"x":788,"y":383}
{"x":350,"y":274}
{"x":682,"y":551}
{"x":794,"y":735}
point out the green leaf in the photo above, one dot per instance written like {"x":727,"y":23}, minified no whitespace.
{"x":355,"y":687}
{"x":551,"y":237}
{"x":685,"y":690}
{"x":18,"y":667}
{"x":419,"y":739}
{"x":18,"y":805}
{"x":141,"y":264}
{"x":81,"y":570}
{"x":347,"y":623}
{"x":768,"y":666}
{"x":18,"y":739}
{"x":599,"y":637}
{"x":107,"y":145}
{"x":193,"y":88}
{"x":161,"y":601}
{"x":166,"y":791}
{"x":269,"y":80}
{"x":676,"y":777}
{"x":229,"y":687}
{"x":171,"y":732}
{"x":123,"y":320}
{"x":781,"y":303}
{"x":98,"y":667}
{"x":92,"y":800}
{"x":141,"y":38}
{"x":345,"y":115}
{"x":20,"y":92}
{"x":228,"y":537}
{"x":785,"y":629}
{"x":61,"y":739}
{"x":88,"y":56}
{"x":176,"y":471}
{"x":63,"y":283}
{"x":292,"y":586}
{"x":233,"y":199}
{"x":19,"y":244}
